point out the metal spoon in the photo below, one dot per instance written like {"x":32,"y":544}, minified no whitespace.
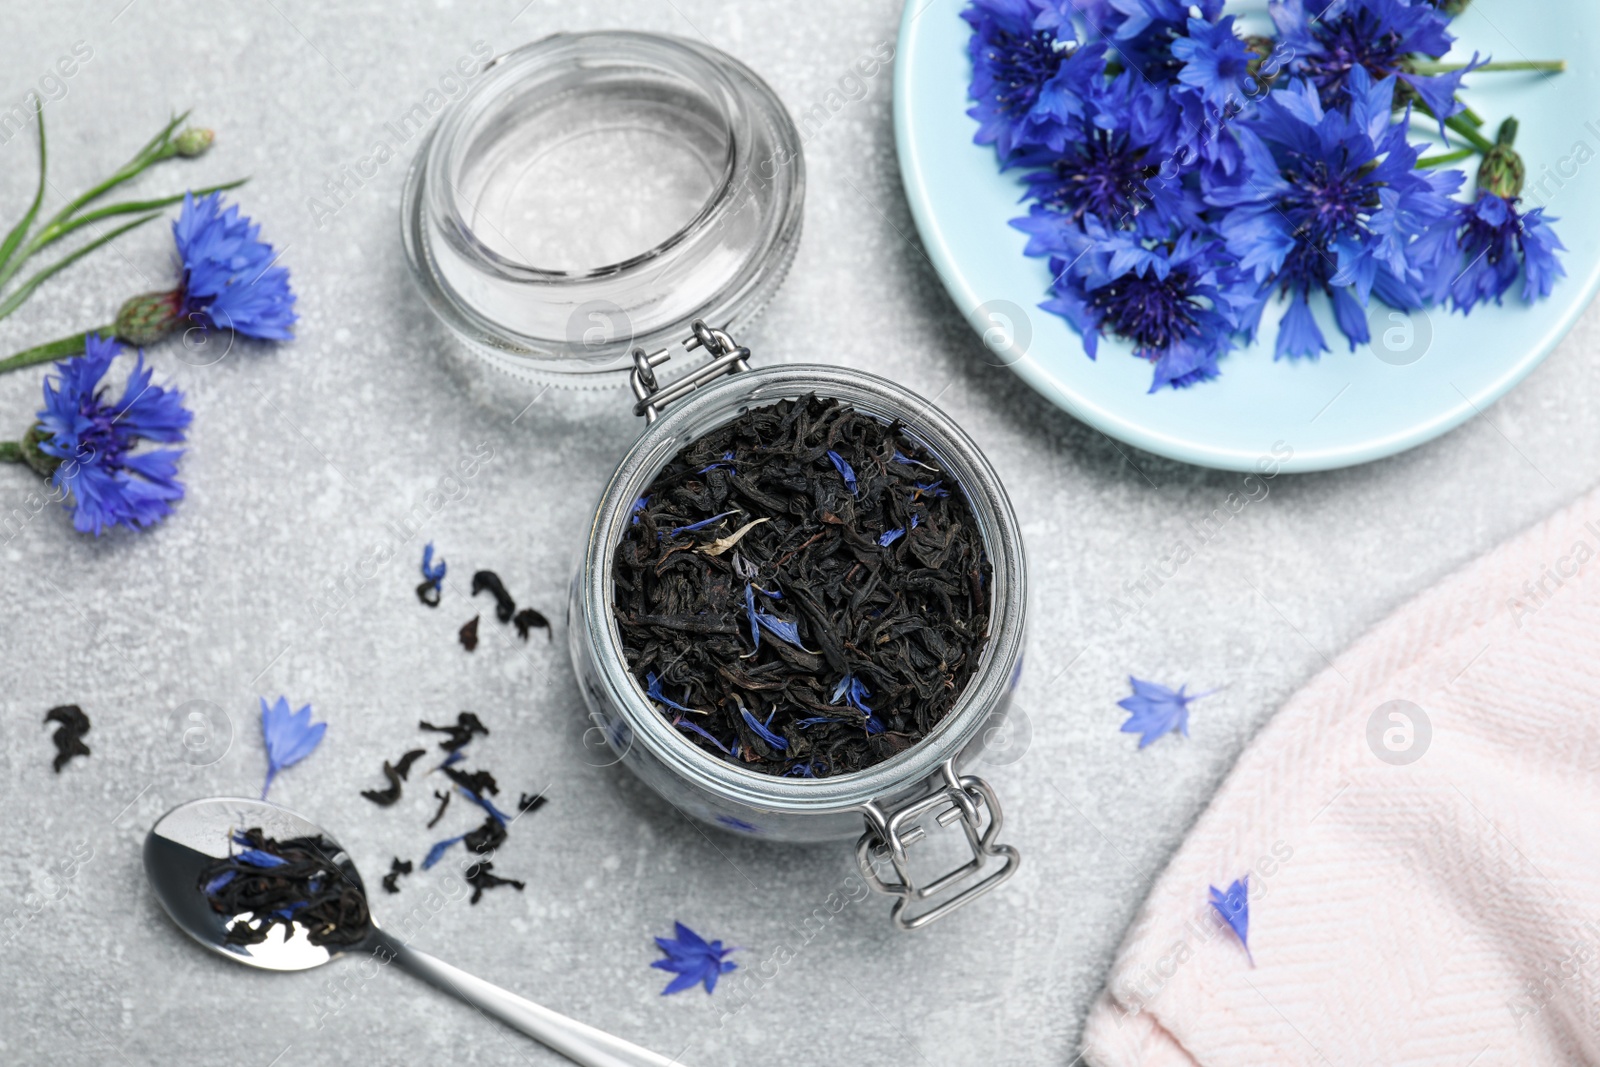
{"x":191,"y":835}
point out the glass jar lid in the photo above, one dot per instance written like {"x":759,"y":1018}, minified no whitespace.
{"x":597,"y":192}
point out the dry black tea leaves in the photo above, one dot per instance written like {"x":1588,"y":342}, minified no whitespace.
{"x":526,"y":803}
{"x":487,"y":837}
{"x":428,"y":593}
{"x":480,"y":878}
{"x":444,"y":802}
{"x":467,"y":724}
{"x":480,"y":782}
{"x":527,"y":619}
{"x":803,"y":591}
{"x":397,"y":867}
{"x":289,"y":883}
{"x":504,"y":606}
{"x":68,"y":737}
{"x":469,"y":635}
{"x":395,"y":773}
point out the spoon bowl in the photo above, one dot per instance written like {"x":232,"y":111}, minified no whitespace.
{"x":192,"y":836}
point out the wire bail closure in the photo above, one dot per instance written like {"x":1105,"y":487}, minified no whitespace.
{"x":963,"y":798}
{"x":651,"y":397}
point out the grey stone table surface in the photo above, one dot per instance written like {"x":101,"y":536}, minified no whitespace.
{"x":303,"y":455}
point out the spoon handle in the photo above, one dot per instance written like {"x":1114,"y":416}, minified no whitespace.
{"x":578,"y":1042}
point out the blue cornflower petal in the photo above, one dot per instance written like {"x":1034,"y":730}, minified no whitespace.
{"x":483,"y":802}
{"x":1234,"y":907}
{"x":755,"y":619}
{"x":436,"y":853}
{"x":1154,"y":710}
{"x":219,"y":881}
{"x":889,"y":537}
{"x":845,"y":470}
{"x":782,"y":629}
{"x":702,"y":524}
{"x":695,"y":960}
{"x":901,"y":457}
{"x":776,"y":741}
{"x":854,"y":691}
{"x":104,"y":482}
{"x":655,"y":692}
{"x":685,"y":724}
{"x":433,"y":572}
{"x":290,"y":736}
{"x":230,"y":280}
{"x":255,"y":857}
{"x":638,"y":506}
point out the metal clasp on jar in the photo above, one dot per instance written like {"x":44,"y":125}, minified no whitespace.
{"x":958,"y":798}
{"x":651,"y":397}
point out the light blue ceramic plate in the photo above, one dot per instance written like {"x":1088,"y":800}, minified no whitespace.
{"x":1425,"y":374}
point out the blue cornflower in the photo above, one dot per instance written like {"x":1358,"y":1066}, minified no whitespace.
{"x":693,"y":959}
{"x":889,"y":537}
{"x":1331,"y":201}
{"x":1119,"y":166}
{"x":1143,"y":33}
{"x":1028,"y":79}
{"x":1180,"y":303}
{"x":290,"y":736}
{"x":1234,"y":907}
{"x":1488,"y":244}
{"x":1379,"y":37}
{"x":107,"y":482}
{"x":229,"y":281}
{"x":1216,"y":63}
{"x":1155,"y":711}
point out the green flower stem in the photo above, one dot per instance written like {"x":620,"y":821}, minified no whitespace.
{"x":1469,"y":133}
{"x":1448,"y":158}
{"x":1469,"y":114}
{"x":158,"y":148}
{"x":11,"y":452}
{"x":72,"y":345}
{"x":14,"y":252}
{"x":9,"y":247}
{"x":56,"y":230}
{"x":1549,"y":66}
{"x":25,"y":290}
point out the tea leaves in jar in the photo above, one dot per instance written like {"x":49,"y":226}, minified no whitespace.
{"x":802,"y":591}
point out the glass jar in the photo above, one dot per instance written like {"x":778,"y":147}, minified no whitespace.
{"x":596,"y":191}
{"x":886,"y":806}
{"x":587,"y":198}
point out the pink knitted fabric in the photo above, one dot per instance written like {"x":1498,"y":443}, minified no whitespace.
{"x":1441,"y":911}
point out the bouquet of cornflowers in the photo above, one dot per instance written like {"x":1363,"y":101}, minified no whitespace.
{"x":1180,"y":174}
{"x":99,"y":455}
